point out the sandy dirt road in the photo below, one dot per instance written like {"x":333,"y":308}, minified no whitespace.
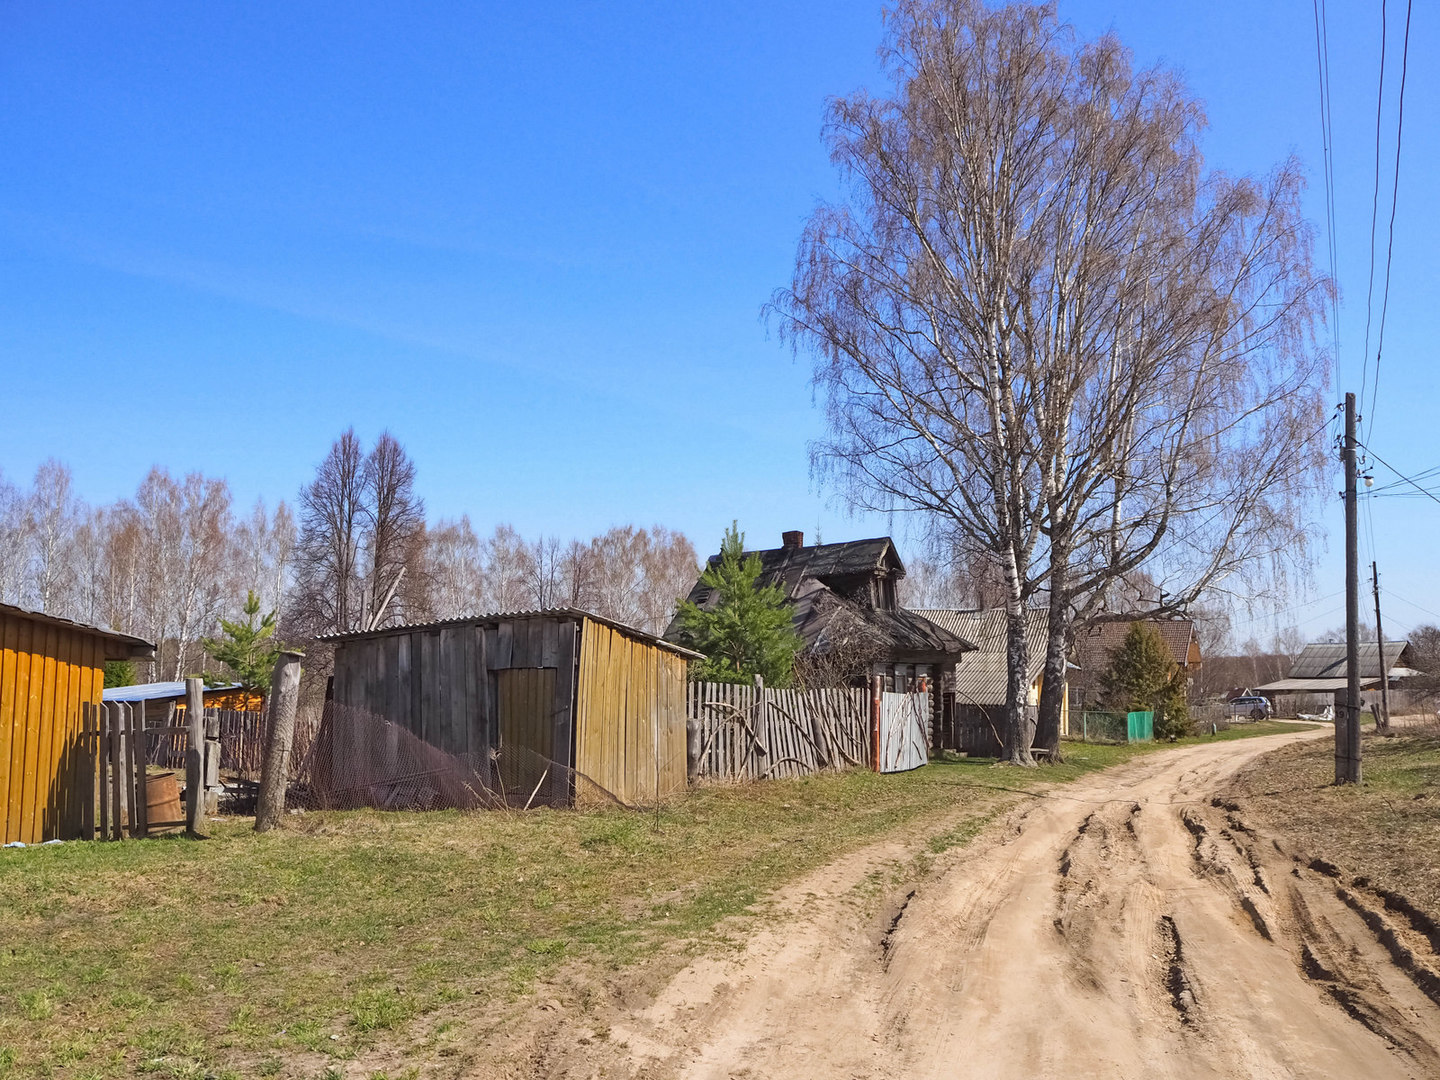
{"x":1125,"y":926}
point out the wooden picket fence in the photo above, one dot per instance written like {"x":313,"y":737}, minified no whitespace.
{"x":116,"y":745}
{"x":740,"y":732}
{"x":242,"y":743}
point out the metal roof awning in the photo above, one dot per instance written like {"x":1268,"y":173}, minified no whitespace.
{"x":118,"y":646}
{"x":159,"y":691}
{"x":1311,"y":686}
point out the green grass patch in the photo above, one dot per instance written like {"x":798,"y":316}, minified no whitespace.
{"x":172,"y":957}
{"x":1386,"y":829}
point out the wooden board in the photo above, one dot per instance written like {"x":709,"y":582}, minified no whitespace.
{"x":526,"y":702}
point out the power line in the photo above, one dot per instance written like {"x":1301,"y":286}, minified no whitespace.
{"x":1411,"y":603}
{"x":1374,"y":208}
{"x":1402,"y":476}
{"x":1287,"y":610}
{"x":1327,"y":143}
{"x":1394,"y":201}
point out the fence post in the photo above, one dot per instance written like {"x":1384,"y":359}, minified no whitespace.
{"x":195,"y":758}
{"x":139,"y":809}
{"x":275,"y":774}
{"x":212,"y":763}
{"x":877,"y":697}
{"x":762,"y":724}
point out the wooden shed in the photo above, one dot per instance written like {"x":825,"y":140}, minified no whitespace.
{"x":51,"y":675}
{"x":557,"y":707}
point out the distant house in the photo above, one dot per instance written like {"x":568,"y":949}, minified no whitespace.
{"x":1095,"y":647}
{"x":1320,"y":668}
{"x":165,"y":694}
{"x":837,"y":589}
{"x":52,"y":672}
{"x":975,"y":695}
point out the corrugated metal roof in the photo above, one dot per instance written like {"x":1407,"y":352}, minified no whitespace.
{"x":159,"y":691}
{"x":504,"y":616}
{"x":982,"y":677}
{"x":1311,"y":686}
{"x":135,"y":648}
{"x":1326,"y":659}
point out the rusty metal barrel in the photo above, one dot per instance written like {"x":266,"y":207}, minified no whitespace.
{"x":162,"y":802}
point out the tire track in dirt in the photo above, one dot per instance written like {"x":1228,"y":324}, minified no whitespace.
{"x":1126,"y":926}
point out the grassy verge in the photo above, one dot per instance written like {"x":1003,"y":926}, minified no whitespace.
{"x":1386,"y":829}
{"x":243,"y":954}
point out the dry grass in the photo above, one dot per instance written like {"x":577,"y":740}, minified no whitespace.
{"x":321,"y":949}
{"x":1386,"y":829}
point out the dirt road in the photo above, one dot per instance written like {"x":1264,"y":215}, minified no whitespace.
{"x":1123,"y":927}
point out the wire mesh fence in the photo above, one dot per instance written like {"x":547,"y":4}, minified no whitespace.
{"x":1104,"y":726}
{"x":359,"y":759}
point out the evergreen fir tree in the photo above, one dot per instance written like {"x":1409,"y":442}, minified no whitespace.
{"x":248,"y":649}
{"x":749,"y":630}
{"x":1143,"y":677}
{"x":119,"y":673}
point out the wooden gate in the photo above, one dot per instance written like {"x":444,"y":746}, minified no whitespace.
{"x":526,"y":704}
{"x":904,"y":719}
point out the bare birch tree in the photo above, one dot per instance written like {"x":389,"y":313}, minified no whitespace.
{"x":14,"y":543}
{"x":455,"y":569}
{"x":53,"y":514}
{"x":1041,"y":323}
{"x":327,"y":553}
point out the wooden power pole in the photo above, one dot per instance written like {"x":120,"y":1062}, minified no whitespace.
{"x":1347,"y":733}
{"x":1382,"y":718}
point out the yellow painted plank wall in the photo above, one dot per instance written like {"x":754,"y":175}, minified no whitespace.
{"x":48,"y":674}
{"x":630,"y":719}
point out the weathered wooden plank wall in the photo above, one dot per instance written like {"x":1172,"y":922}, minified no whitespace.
{"x":47,"y":674}
{"x":789,"y":733}
{"x":630,"y":720}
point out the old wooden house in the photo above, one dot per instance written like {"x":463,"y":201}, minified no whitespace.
{"x":846,"y":598}
{"x":51,"y":677}
{"x":553,"y":707}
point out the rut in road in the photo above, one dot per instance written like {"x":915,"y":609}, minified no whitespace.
{"x":1130,"y":925}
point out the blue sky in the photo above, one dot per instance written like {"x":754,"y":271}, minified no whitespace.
{"x":534,"y":242}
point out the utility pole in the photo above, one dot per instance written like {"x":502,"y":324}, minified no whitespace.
{"x":1382,"y":719}
{"x":1347,"y":734}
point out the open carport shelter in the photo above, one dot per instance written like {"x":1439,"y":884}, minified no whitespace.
{"x":552,"y":707}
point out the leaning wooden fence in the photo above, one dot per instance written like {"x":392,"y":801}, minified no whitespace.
{"x":739,"y":732}
{"x":116,"y":744}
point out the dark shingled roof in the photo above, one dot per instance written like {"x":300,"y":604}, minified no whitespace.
{"x":801,"y":572}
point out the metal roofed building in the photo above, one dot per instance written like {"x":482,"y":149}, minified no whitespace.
{"x":555,"y":707}
{"x":975,"y":694}
{"x":52,"y":673}
{"x":1320,"y":668}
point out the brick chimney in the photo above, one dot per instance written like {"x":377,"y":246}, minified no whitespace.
{"x":792,"y":539}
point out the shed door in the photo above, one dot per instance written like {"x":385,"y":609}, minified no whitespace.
{"x":526,"y":703}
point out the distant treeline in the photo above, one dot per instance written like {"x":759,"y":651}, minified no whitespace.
{"x":357,"y":550}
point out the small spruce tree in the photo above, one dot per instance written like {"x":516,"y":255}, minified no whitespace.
{"x":247,"y":649}
{"x":1143,"y":677}
{"x":748,"y":631}
{"x":119,"y":673}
